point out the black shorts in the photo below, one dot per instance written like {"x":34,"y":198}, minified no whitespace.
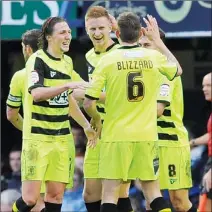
{"x":206,"y":169}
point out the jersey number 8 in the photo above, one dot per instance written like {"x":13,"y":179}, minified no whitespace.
{"x":135,"y":87}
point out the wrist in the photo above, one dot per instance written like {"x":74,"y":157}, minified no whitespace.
{"x":193,"y":142}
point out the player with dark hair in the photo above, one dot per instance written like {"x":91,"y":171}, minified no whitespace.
{"x":46,"y":129}
{"x":128,"y":147}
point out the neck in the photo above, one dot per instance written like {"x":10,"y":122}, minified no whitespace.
{"x":54,"y":53}
{"x":103,"y":48}
{"x":128,"y":44}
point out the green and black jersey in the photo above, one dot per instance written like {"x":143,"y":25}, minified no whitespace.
{"x":92,"y":58}
{"x":46,"y":119}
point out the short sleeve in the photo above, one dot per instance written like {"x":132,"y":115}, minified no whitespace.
{"x":167,"y":68}
{"x":35,"y":72}
{"x":14,"y":98}
{"x":97,"y":83}
{"x":165,"y":90}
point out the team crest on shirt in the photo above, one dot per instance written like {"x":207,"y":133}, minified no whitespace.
{"x":164,"y":90}
{"x":34,"y":76}
{"x":90,"y":68}
{"x":52,"y":73}
{"x":61,"y":99}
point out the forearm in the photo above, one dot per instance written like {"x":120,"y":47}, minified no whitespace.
{"x":201,"y":140}
{"x":165,"y":51}
{"x":76,"y":113}
{"x":102,"y":98}
{"x":44,"y":93}
{"x":17,"y":122}
{"x":90,"y":108}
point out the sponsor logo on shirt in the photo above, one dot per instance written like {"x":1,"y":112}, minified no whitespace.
{"x":52,"y":73}
{"x":164,"y":90}
{"x":34,"y":76}
{"x":61,"y":99}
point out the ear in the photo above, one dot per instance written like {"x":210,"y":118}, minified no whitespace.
{"x":117,"y":34}
{"x":143,"y":31}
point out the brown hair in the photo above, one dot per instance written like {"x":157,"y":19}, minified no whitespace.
{"x":47,"y":29}
{"x":129,"y":26}
{"x":31,"y":38}
{"x":96,"y":12}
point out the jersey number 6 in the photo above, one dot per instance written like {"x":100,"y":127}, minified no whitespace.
{"x":135,"y":87}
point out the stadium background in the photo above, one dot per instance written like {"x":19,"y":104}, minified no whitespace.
{"x":187,"y":25}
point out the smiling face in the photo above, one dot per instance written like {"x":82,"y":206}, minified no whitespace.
{"x":60,"y":38}
{"x":98,"y":30}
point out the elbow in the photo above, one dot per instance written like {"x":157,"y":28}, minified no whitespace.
{"x":179,"y":71}
{"x":10,"y":115}
{"x":36,"y":96}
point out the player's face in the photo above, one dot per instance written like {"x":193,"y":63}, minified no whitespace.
{"x":60,"y":39}
{"x":206,"y":87}
{"x":146,"y":43}
{"x":98,"y":30}
{"x":15,"y":161}
{"x":26,"y":51}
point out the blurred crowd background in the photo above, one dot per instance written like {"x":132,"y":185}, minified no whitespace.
{"x":188,"y":37}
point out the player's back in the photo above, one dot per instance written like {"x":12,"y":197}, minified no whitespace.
{"x":171,"y":130}
{"x":131,"y":85}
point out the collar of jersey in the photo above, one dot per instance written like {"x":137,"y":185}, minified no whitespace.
{"x":108,"y":48}
{"x":50,"y":56}
{"x":129,"y":47}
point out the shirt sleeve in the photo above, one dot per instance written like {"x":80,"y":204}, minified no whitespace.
{"x":98,"y":82}
{"x":35,"y":72}
{"x":165,"y":90}
{"x":167,"y":68}
{"x":14,"y":98}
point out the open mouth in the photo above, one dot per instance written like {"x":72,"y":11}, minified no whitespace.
{"x":66,"y":44}
{"x":98,"y":38}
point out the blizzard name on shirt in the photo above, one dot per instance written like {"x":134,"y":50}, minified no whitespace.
{"x":134,"y":64}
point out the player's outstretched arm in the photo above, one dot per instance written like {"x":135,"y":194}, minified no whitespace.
{"x":152,"y":32}
{"x":79,"y":95}
{"x":15,"y":118}
{"x":202,"y":140}
{"x":77,"y":115}
{"x":44,"y":93}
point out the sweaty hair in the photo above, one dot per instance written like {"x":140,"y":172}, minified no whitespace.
{"x":47,"y":29}
{"x":129,"y":26}
{"x":96,"y":12}
{"x":31,"y":38}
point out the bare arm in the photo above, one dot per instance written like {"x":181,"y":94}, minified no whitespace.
{"x":15,"y":118}
{"x":44,"y":93}
{"x":165,"y":51}
{"x":160,"y":109}
{"x":79,"y":95}
{"x":76,"y":114}
{"x":152,"y":32}
{"x":200,"y":140}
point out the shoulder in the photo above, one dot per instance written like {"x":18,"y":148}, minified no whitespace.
{"x":89,"y":53}
{"x":68,"y":59}
{"x":19,"y":74}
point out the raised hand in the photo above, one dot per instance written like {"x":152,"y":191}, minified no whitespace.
{"x":151,"y":30}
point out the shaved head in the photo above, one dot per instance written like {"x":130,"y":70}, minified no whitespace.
{"x":206,"y":86}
